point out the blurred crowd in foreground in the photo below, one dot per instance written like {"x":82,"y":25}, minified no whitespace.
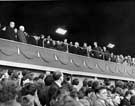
{"x":29,"y":88}
{"x":10,"y":32}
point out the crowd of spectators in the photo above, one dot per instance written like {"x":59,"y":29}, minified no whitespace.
{"x":29,"y":88}
{"x":18,"y":34}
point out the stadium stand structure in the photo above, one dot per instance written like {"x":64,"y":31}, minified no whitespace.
{"x":21,"y":55}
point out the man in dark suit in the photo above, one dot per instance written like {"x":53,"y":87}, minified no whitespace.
{"x":97,"y":51}
{"x":10,"y":32}
{"x":56,"y":85}
{"x":40,"y":41}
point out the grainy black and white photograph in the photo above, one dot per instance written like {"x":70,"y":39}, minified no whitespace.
{"x":67,"y":53}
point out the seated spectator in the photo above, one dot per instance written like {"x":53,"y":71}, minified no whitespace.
{"x":97,"y":51}
{"x":40,"y":41}
{"x":70,"y":47}
{"x":106,"y":54}
{"x":36,"y":38}
{"x":53,"y":44}
{"x":113,"y":57}
{"x":76,"y":49}
{"x":90,"y":53}
{"x":65,"y":45}
{"x":84,"y":50}
{"x":31,"y":40}
{"x":21,"y":35}
{"x":47,"y":42}
{"x":2,"y":31}
{"x":59,"y":45}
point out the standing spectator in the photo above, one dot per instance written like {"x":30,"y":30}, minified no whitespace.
{"x":9,"y":31}
{"x":21,"y":35}
{"x":101,"y":93}
{"x":56,"y":85}
{"x":75,"y":83}
{"x":83,"y":88}
{"x":126,"y":100}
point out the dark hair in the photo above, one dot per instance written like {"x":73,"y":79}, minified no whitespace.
{"x":89,"y":83}
{"x":68,"y":78}
{"x":118,"y":90}
{"x":88,"y":90}
{"x":107,"y":82}
{"x":48,"y":80}
{"x":95,"y":85}
{"x":128,"y":93}
{"x":29,"y":88}
{"x":41,"y":76}
{"x":25,"y":72}
{"x":75,"y":82}
{"x":57,"y":75}
{"x":10,"y":71}
{"x":99,"y":89}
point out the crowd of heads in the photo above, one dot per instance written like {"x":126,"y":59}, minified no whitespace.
{"x":19,"y":34}
{"x":23,"y":87}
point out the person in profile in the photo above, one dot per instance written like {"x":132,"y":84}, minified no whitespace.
{"x":21,"y":35}
{"x":10,"y":32}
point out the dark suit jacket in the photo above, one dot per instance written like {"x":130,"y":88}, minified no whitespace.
{"x":53,"y":91}
{"x":43,"y":95}
{"x":10,"y":34}
{"x":125,"y":102}
{"x":31,"y":40}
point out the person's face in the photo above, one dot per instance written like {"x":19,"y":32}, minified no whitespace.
{"x":12,"y":24}
{"x":102,"y":94}
{"x":22,"y":28}
{"x":116,"y":99}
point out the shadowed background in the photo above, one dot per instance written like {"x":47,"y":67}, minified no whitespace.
{"x":103,"y":22}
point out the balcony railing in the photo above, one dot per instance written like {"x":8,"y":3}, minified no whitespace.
{"x":22,"y":55}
